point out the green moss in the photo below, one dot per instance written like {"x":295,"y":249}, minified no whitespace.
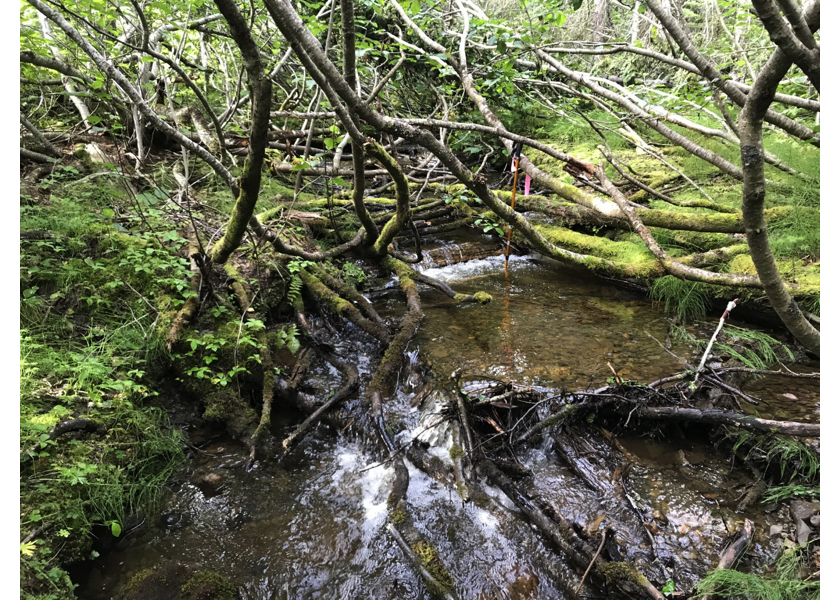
{"x":456,"y":452}
{"x":208,"y":585}
{"x":622,"y":252}
{"x":398,"y":516}
{"x":742,"y":264}
{"x":333,"y":301}
{"x":133,"y":582}
{"x":656,"y":183}
{"x":614,"y":572}
{"x":483,"y":297}
{"x":693,"y":241}
{"x":226,"y":406}
{"x":160,"y":583}
{"x":430,"y":559}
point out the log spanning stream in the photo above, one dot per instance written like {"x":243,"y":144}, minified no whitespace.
{"x":315,"y":526}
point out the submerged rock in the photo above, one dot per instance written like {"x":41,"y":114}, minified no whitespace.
{"x":175,"y":581}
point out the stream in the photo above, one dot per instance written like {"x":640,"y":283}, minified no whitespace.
{"x":314,"y":526}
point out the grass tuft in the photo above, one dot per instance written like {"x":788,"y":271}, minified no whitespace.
{"x":683,"y":299}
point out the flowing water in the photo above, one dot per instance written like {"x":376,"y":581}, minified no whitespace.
{"x":314,"y":526}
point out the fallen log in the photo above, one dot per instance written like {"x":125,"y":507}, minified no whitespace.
{"x":725,"y":417}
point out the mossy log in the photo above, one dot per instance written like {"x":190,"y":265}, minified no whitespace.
{"x":342,"y":307}
{"x":421,"y":211}
{"x":391,"y":361}
{"x":426,"y":560}
{"x":681,"y":221}
{"x":238,"y":287}
{"x":408,"y":272}
{"x":446,"y":255}
{"x":261,"y":431}
{"x":424,"y":556}
{"x":629,"y":260}
{"x":722,"y":417}
{"x":349,"y":292}
{"x":563,"y":535}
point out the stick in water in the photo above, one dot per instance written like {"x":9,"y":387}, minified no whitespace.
{"x":729,"y":307}
{"x":517,"y":148}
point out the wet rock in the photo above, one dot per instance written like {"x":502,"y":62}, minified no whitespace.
{"x":802,"y":512}
{"x":776,"y":530}
{"x":659,"y":517}
{"x":175,"y":581}
{"x":236,"y":518}
{"x":523,"y":587}
{"x":174,"y":520}
{"x":161,"y":583}
{"x":208,"y":585}
{"x":208,"y":483}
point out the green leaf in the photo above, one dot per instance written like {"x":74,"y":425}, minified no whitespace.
{"x":293,"y":345}
{"x":116,"y":530}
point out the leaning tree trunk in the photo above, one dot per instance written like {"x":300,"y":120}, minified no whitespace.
{"x":752,"y":145}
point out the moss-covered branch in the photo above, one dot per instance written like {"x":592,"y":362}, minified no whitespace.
{"x":399,"y":220}
{"x":347,"y":291}
{"x":342,"y":307}
{"x":479,"y":297}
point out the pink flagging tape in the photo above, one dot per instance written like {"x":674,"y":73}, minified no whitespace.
{"x":527,"y":184}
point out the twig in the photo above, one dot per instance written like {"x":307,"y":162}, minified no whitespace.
{"x":152,"y":308}
{"x":787,"y":372}
{"x":594,"y":558}
{"x":661,"y":345}
{"x":729,"y":307}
